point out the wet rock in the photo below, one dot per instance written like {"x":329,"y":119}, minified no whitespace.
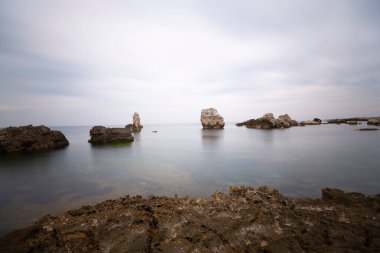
{"x":374,"y":121}
{"x":351,"y":122}
{"x":103,"y":135}
{"x":246,"y":219}
{"x":30,"y":139}
{"x":210,"y":119}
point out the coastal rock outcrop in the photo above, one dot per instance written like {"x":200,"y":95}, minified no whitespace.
{"x":374,"y":121}
{"x":315,"y":121}
{"x":31,"y":138}
{"x":245,"y":219}
{"x":102,"y":135}
{"x":268,"y":121}
{"x":136,"y":125}
{"x":210,"y":119}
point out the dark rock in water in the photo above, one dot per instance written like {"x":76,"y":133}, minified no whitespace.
{"x":241,"y":124}
{"x":268,"y":121}
{"x":345,"y":120}
{"x":374,"y":121}
{"x":315,"y":121}
{"x":102,"y":135}
{"x":368,"y":129}
{"x":31,"y":138}
{"x":210,"y":119}
{"x":244,"y":220}
{"x":351,"y":122}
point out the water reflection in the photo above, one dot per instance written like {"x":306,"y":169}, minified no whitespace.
{"x":212,"y":138}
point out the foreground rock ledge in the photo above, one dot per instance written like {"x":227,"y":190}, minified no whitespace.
{"x":31,"y":139}
{"x":245,"y":220}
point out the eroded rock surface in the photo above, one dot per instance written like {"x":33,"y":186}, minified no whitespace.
{"x":268,"y":121}
{"x":210,"y":119}
{"x":30,"y":139}
{"x":103,"y":135}
{"x":245,"y":220}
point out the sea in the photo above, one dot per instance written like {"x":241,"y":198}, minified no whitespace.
{"x":184,"y":160}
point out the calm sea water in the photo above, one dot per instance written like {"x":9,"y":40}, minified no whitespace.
{"x":185,"y":160}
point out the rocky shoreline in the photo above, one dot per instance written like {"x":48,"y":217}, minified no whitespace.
{"x":244,"y":220}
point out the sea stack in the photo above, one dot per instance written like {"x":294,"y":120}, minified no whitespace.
{"x":210,"y":119}
{"x":31,"y":139}
{"x":103,"y":135}
{"x":136,"y":125}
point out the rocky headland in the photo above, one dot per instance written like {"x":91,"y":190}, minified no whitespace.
{"x":136,"y":125}
{"x":268,"y":121}
{"x":244,"y":220}
{"x":352,"y":120}
{"x":103,"y":135}
{"x":31,"y":139}
{"x":210,"y":119}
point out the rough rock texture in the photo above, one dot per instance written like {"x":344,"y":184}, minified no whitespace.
{"x":313,"y":122}
{"x":268,"y":121}
{"x":374,"y":121}
{"x":245,"y":220}
{"x":31,"y":138}
{"x":136,"y":123}
{"x":102,"y":135}
{"x":210,"y":119}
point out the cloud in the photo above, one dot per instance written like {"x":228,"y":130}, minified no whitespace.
{"x":112,"y":58}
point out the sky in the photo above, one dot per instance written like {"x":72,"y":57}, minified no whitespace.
{"x":98,"y":62}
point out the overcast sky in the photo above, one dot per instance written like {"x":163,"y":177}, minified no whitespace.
{"x":97,"y":62}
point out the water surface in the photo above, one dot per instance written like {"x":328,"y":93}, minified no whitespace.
{"x":186,"y":160}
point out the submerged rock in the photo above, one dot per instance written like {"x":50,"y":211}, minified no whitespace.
{"x":244,"y":220}
{"x":31,"y":138}
{"x":210,"y":119}
{"x":268,"y":121}
{"x":102,"y":135}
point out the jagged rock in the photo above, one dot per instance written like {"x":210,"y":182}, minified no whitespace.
{"x":31,"y":138}
{"x":288,"y":120}
{"x":136,"y":125}
{"x":351,"y":122}
{"x":374,"y":121}
{"x":210,"y":119}
{"x":245,"y":219}
{"x":102,"y":135}
{"x":268,"y":121}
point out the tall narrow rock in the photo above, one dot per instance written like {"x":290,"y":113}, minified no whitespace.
{"x":210,"y":119}
{"x":136,"y":125}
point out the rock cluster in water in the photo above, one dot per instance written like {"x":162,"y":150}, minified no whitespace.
{"x":245,"y":220}
{"x":102,"y":135}
{"x":315,"y":121}
{"x":210,"y":119}
{"x":374,"y":121}
{"x":31,"y":138}
{"x":268,"y":121}
{"x":136,"y":125}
